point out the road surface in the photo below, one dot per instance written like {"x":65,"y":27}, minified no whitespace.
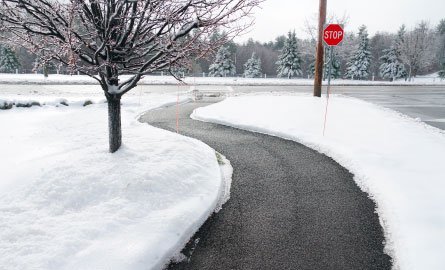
{"x":290,"y":207}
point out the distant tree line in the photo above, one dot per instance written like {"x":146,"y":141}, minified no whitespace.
{"x":384,"y":56}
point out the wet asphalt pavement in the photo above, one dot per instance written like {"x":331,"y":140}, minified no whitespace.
{"x":290,"y":207}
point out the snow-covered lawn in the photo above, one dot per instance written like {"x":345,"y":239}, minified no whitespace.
{"x":397,"y":160}
{"x":66,"y":203}
{"x":432,"y":79}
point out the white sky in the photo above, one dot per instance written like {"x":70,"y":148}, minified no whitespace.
{"x":279,"y":16}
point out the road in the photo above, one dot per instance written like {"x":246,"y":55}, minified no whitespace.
{"x":290,"y":207}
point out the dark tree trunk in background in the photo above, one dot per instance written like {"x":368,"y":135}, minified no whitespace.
{"x":45,"y":71}
{"x":114,"y":122}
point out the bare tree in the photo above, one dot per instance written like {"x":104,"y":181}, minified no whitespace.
{"x":108,"y":38}
{"x":311,"y":23}
{"x":416,"y":48}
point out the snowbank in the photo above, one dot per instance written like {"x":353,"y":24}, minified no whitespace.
{"x":432,"y":79}
{"x":396,"y":159}
{"x":66,"y":203}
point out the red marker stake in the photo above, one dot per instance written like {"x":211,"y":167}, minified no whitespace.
{"x":328,"y":92}
{"x":177,"y":112}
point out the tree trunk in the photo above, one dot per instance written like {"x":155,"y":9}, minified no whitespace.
{"x":410,"y":71}
{"x":45,"y":71}
{"x":114,"y":122}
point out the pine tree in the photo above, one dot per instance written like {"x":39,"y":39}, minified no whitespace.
{"x":359,"y":63}
{"x":392,"y":68}
{"x":312,"y":69}
{"x":223,"y":65}
{"x":252,"y":68}
{"x":400,"y":38}
{"x":335,"y":69}
{"x":289,"y":63}
{"x":8,"y":60}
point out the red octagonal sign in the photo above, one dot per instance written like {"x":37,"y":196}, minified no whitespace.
{"x":333,"y":34}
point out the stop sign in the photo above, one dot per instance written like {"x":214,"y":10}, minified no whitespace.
{"x":333,"y":34}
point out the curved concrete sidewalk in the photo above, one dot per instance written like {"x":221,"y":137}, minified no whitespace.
{"x":290,"y":207}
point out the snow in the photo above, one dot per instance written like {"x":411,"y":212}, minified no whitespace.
{"x":432,"y":79}
{"x":66,"y":203}
{"x":397,"y":160}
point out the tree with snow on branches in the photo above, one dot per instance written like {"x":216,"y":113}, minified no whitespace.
{"x":335,"y":69}
{"x":289,"y":63}
{"x":252,"y":68}
{"x":223,"y":65}
{"x":392,"y":67}
{"x":359,"y":64}
{"x":8,"y":60}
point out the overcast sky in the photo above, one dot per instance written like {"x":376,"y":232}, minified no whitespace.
{"x":279,"y":16}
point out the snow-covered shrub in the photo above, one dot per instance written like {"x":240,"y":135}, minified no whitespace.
{"x":5,"y":105}
{"x":87,"y":103}
{"x":63,"y":102}
{"x":27,"y":104}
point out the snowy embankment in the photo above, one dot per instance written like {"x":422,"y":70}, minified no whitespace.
{"x":66,"y":203}
{"x":432,"y":79}
{"x":397,"y":160}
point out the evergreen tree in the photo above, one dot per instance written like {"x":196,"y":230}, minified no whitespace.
{"x":289,"y":63}
{"x":252,"y":68}
{"x":312,"y":69}
{"x":358,"y":65}
{"x":8,"y":60}
{"x":335,"y":69}
{"x":392,"y":68}
{"x":400,"y":38}
{"x":223,"y":65}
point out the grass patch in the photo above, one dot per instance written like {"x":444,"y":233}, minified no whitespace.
{"x":219,"y":158}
